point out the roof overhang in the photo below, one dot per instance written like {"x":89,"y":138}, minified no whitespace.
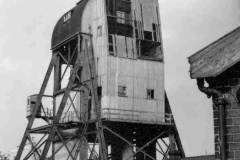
{"x":217,"y":57}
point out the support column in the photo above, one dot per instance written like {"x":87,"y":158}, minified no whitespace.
{"x":83,"y":150}
{"x":57,"y":74}
{"x":174,"y":154}
{"x":56,"y":87}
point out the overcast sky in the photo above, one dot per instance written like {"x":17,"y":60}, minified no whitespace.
{"x":188,"y":25}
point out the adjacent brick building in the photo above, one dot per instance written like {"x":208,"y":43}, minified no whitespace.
{"x":218,"y":67}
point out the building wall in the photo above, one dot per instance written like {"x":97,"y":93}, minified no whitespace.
{"x":147,"y":12}
{"x":137,"y":75}
{"x":232,"y":121}
{"x":124,"y":67}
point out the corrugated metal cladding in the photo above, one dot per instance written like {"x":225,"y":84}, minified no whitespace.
{"x":132,"y":86}
{"x":217,"y":57}
{"x":208,"y":157}
{"x":69,"y":24}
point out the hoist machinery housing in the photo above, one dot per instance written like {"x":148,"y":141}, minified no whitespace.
{"x":127,"y":47}
{"x":108,"y":99}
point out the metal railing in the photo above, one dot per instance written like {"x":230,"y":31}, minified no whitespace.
{"x":46,"y":113}
{"x":43,"y":112}
{"x":110,"y":114}
{"x":120,"y":115}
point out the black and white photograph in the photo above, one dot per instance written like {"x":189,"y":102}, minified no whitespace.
{"x":120,"y":80}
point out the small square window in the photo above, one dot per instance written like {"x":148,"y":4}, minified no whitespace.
{"x":148,"y":35}
{"x":111,"y":45}
{"x":150,"y":93}
{"x":122,"y":91}
{"x":99,"y":31}
{"x":111,"y":49}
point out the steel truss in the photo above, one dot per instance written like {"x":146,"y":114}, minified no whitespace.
{"x":95,"y":134}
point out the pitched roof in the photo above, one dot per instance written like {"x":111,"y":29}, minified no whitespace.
{"x":216,"y":57}
{"x":207,"y":157}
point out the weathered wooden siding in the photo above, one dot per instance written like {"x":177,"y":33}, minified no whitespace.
{"x":137,"y":76}
{"x":147,"y":12}
{"x":124,"y":68}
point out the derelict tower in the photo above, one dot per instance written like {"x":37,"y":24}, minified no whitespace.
{"x":108,"y":100}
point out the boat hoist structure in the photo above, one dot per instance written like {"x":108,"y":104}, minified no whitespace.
{"x":103,"y":104}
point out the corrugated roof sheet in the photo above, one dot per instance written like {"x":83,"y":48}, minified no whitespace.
{"x":207,"y":157}
{"x":216,"y":57}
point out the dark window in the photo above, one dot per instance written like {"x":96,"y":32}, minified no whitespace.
{"x":110,"y":6}
{"x":110,"y":45}
{"x":110,"y":39}
{"x":150,"y":50}
{"x":150,"y":93}
{"x":136,"y":29}
{"x":111,"y":50}
{"x":154,"y":31}
{"x":141,"y":30}
{"x":148,"y":35}
{"x":238,"y":95}
{"x":99,"y":31}
{"x":123,"y":5}
{"x":122,"y":91}
{"x":119,"y":17}
{"x":99,"y":92}
{"x":136,"y":33}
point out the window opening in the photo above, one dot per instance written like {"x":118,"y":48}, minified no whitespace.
{"x":150,"y":50}
{"x":148,"y":35}
{"x":122,"y":91}
{"x":154,"y":31}
{"x":111,"y":45}
{"x":99,"y":92}
{"x":150,"y":93}
{"x":119,"y":17}
{"x":99,"y":31}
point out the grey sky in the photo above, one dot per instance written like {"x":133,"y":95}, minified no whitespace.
{"x":188,"y":25}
